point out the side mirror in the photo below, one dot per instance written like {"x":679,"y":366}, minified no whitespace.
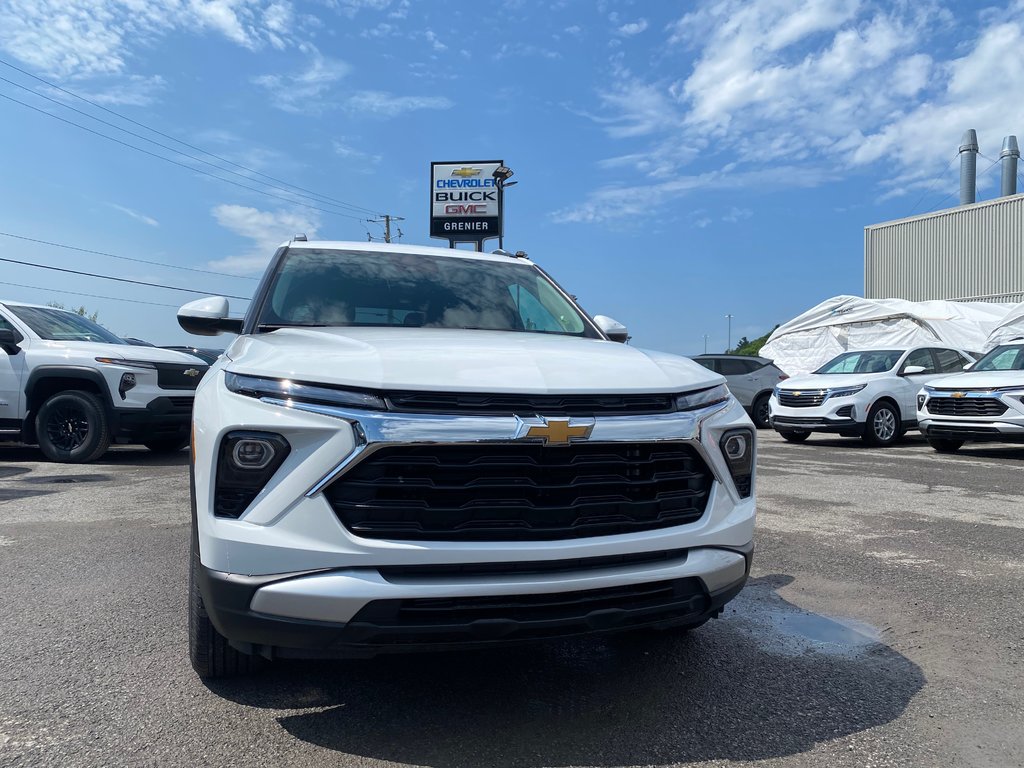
{"x":208,"y":317}
{"x":9,"y":340}
{"x":913,"y":370}
{"x":613,"y":329}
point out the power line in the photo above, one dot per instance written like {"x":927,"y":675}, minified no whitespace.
{"x":89,"y":295}
{"x":978,"y":176}
{"x":118,"y":279}
{"x":169,"y":149}
{"x":932,"y":184}
{"x":326,"y":198}
{"x":125,"y":258}
{"x":175,"y":162}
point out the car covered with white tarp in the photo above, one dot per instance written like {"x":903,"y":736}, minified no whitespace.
{"x":850,"y":323}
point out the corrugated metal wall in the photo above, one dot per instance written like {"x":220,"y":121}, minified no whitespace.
{"x":973,"y":252}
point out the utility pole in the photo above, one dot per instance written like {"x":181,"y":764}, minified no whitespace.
{"x":387,"y":219}
{"x":706,"y":337}
{"x":729,"y":318}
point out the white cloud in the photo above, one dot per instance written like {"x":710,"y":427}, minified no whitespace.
{"x":83,"y":38}
{"x":737,"y":214}
{"x":306,"y":91}
{"x":824,"y":88}
{"x":347,"y":151}
{"x":132,"y":90}
{"x":265,"y":230}
{"x":384,"y":104}
{"x":149,"y":220}
{"x":524,"y":50}
{"x":633,"y":28}
{"x":574,"y":30}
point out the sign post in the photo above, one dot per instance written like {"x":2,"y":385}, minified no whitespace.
{"x":466,"y":202}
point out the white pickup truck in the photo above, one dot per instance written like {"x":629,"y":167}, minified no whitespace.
{"x":412,"y":448}
{"x":72,"y":387}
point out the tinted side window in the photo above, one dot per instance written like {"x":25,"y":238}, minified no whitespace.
{"x":5,"y":325}
{"x":950,"y":361}
{"x":733,"y":367}
{"x":709,"y":364}
{"x":922,"y":357}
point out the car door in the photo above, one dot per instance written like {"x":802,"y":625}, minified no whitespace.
{"x":738,"y":374}
{"x":11,"y":372}
{"x":908,"y":386}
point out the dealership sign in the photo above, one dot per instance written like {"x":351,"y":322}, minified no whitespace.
{"x":465,"y":201}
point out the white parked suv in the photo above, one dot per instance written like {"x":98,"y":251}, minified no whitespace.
{"x":869,"y":394}
{"x":409,"y":448}
{"x":984,"y":404}
{"x":72,"y":387}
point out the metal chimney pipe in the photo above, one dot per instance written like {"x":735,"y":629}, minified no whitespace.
{"x":1009,"y":157}
{"x":968,"y":167}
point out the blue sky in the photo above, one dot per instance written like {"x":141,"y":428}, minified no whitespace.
{"x":677,"y":161}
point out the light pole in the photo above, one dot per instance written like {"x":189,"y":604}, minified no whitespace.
{"x":706,"y":337}
{"x":729,"y":318}
{"x":502,"y":174}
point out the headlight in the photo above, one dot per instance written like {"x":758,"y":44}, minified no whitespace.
{"x":283,"y":389}
{"x":702,"y":398}
{"x":127,"y":363}
{"x":775,"y":392}
{"x":845,"y":391}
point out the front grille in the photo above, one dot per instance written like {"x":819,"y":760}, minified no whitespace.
{"x":182,"y":403}
{"x":521,"y":492}
{"x":802,"y":398}
{"x":966,"y":406}
{"x":173,"y":376}
{"x":530,"y":405}
{"x":448,"y":570}
{"x":508,"y":618}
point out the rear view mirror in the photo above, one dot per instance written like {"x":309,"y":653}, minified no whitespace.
{"x":613,"y":329}
{"x":208,"y":317}
{"x":913,"y":370}
{"x":9,"y":339}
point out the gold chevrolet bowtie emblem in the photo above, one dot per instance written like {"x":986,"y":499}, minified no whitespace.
{"x":466,"y":173}
{"x":191,"y":372}
{"x":958,"y":395}
{"x":559,"y":431}
{"x":797,"y":394}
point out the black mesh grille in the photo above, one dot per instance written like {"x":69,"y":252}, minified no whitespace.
{"x":562,"y":405}
{"x":174,"y":376}
{"x":521,"y":492}
{"x":801,"y":398}
{"x":524,"y":617}
{"x":966,"y":406}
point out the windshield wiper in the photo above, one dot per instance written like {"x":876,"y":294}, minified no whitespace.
{"x":278,"y":326}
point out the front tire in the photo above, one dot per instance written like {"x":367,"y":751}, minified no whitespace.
{"x":944,"y":445}
{"x":208,"y":650}
{"x":883,"y":425}
{"x":794,"y":437}
{"x":71,"y":427}
{"x":759,"y":412}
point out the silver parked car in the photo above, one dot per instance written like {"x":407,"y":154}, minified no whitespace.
{"x":751,"y":380}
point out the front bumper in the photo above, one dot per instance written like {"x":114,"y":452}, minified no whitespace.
{"x":974,"y":430}
{"x":362,"y":612}
{"x":834,"y":415}
{"x":163,"y":418}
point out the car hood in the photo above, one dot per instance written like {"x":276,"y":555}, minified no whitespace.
{"x":980,"y":380}
{"x":455,"y":360}
{"x":79,"y":349}
{"x":830,"y":380}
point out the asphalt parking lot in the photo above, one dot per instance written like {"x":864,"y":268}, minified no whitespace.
{"x":882,"y":627}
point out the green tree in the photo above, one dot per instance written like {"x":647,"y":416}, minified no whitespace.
{"x":79,"y":311}
{"x":747,"y":347}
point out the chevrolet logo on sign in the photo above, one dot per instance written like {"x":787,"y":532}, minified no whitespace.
{"x":466,"y":173}
{"x":554,"y":431}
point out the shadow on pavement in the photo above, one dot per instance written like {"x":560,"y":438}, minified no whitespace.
{"x":744,"y":688}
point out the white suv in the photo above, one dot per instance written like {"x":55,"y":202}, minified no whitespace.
{"x":410,"y":448}
{"x":72,"y":387}
{"x":869,"y":394}
{"x":984,"y":404}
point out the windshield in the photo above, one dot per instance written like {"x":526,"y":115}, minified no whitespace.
{"x":1007,"y":358}
{"x":869,"y":361}
{"x":58,"y":325}
{"x":342,"y":288}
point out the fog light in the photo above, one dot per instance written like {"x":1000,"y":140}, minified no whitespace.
{"x":920,"y":402}
{"x":252,"y":454}
{"x":738,"y":448}
{"x":127,"y":382}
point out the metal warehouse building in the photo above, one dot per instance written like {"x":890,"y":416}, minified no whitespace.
{"x":971,"y":253}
